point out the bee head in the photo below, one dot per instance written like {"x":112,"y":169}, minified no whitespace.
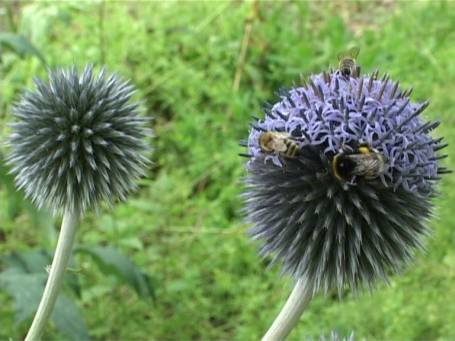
{"x":342,"y":167}
{"x":346,"y":71}
{"x":264,"y":141}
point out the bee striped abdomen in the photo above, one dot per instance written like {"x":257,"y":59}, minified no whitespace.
{"x":292,"y":148}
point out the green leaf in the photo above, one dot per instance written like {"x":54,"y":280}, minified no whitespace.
{"x":15,"y":198}
{"x":68,"y":319}
{"x":41,"y":219}
{"x":35,"y":262}
{"x":111,"y":262}
{"x":20,"y":45}
{"x":25,"y":289}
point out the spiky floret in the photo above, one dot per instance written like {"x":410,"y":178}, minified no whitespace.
{"x":77,"y":140}
{"x":333,"y":232}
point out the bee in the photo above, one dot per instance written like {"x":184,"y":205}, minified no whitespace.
{"x":367,"y":162}
{"x":347,"y":62}
{"x":279,"y":142}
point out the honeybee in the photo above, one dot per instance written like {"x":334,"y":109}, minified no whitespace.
{"x":367,"y":162}
{"x":347,"y":62}
{"x":279,"y":142}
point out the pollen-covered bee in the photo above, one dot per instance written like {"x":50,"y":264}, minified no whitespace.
{"x":279,"y":142}
{"x":347,"y":62}
{"x":366,"y":162}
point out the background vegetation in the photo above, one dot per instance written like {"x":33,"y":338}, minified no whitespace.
{"x":202,"y":68}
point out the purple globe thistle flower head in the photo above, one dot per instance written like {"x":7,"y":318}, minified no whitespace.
{"x":338,"y":229}
{"x":78,"y":139}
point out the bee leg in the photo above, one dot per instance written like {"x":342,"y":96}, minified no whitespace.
{"x":352,"y":181}
{"x":292,"y":150}
{"x":357,"y":71}
{"x":297,"y":150}
{"x":381,"y":176}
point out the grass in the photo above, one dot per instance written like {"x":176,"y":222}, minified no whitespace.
{"x":185,"y":225}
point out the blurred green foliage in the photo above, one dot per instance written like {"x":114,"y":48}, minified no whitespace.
{"x":185,"y":225}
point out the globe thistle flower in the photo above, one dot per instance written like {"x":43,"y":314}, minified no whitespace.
{"x":78,"y":140}
{"x":334,"y":231}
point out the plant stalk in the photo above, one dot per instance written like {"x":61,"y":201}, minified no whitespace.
{"x":54,"y":282}
{"x":291,"y":312}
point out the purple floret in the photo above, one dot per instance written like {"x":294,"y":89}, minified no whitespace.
{"x":344,"y":112}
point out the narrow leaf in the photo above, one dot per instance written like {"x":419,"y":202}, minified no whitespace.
{"x":20,"y":45}
{"x":110,"y":261}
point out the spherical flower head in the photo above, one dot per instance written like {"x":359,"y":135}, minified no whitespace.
{"x":343,"y":231}
{"x":78,"y":140}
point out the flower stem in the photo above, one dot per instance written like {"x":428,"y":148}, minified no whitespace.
{"x":291,"y":312}
{"x":55,"y":280}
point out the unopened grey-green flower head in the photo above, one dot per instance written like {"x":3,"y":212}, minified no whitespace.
{"x":341,"y":174}
{"x":78,"y":139}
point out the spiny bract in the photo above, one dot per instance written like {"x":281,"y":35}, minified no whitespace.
{"x":334,"y":232}
{"x":77,"y":140}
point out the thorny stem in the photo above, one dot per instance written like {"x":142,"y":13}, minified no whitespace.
{"x":291,"y":312}
{"x":55,"y":280}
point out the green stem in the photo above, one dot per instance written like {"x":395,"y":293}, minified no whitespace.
{"x":56,"y":275}
{"x":291,"y":312}
{"x":101,"y":33}
{"x":10,"y":17}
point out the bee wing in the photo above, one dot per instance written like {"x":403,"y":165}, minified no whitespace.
{"x":279,"y":145}
{"x":341,"y":56}
{"x":282,"y":135}
{"x":353,"y":52}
